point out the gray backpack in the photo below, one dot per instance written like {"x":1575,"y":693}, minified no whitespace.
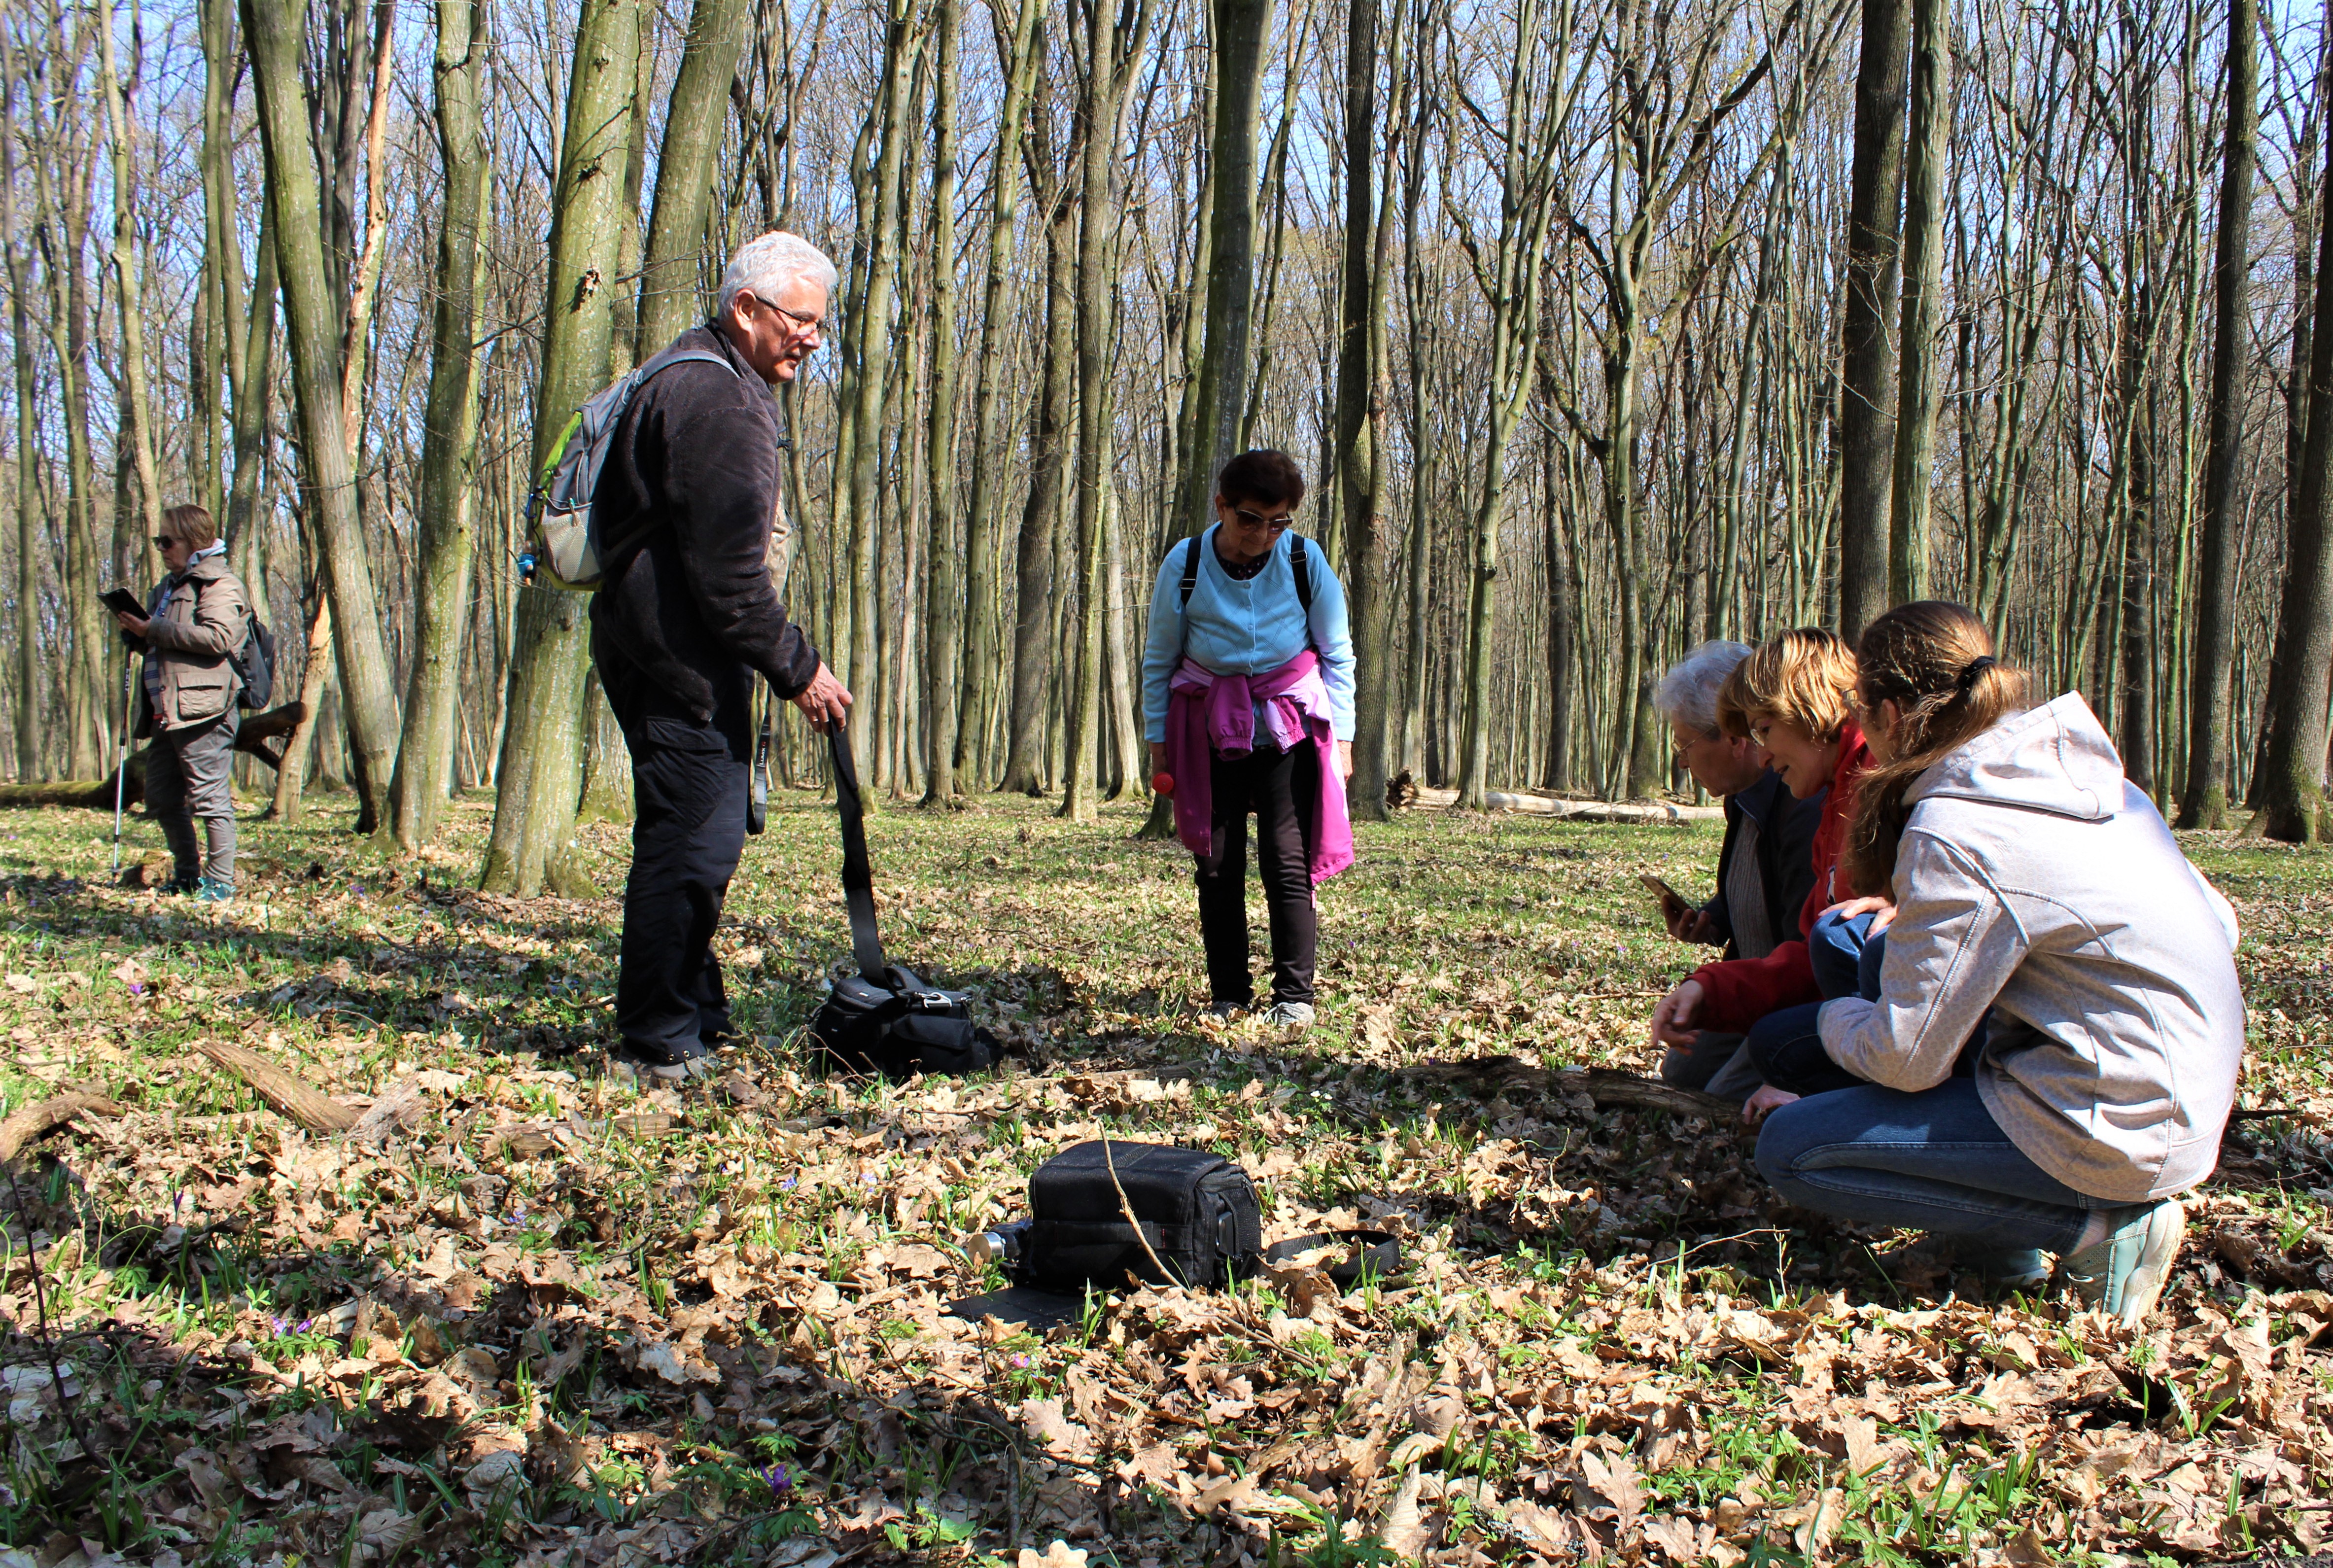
{"x":565,"y":538}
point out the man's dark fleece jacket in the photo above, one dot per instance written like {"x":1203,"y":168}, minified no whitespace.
{"x":693,"y":477}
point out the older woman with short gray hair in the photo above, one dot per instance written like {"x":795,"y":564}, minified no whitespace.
{"x":1765,"y":866}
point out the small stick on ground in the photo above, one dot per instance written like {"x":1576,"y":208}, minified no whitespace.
{"x":38,"y":1120}
{"x":1126,"y":1207}
{"x":287,"y":1094}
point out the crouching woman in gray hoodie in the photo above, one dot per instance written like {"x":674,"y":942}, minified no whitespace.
{"x":2042,"y":905}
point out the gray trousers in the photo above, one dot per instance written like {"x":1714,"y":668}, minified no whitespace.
{"x":1716,"y":1064}
{"x":186,"y":782}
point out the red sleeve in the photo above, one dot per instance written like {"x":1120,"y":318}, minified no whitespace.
{"x":1738,"y":992}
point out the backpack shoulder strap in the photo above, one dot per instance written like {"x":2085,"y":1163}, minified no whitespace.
{"x":1190,"y":568}
{"x":1303,"y":570}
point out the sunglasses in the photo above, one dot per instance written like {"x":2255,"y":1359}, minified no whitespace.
{"x":1255,"y":520}
{"x":164,"y":541}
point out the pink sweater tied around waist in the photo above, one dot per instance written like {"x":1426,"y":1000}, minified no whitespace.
{"x":1210,"y":715}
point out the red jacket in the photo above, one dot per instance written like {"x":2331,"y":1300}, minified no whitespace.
{"x":1738,"y":992}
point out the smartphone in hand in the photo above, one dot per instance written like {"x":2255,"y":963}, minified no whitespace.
{"x":1674,"y":909}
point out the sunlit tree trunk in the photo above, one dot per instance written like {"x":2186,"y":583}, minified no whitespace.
{"x":944,"y":617}
{"x":128,"y":294}
{"x":1866,"y":400}
{"x":30,"y":544}
{"x":1928,"y":158}
{"x":1048,"y":455}
{"x":670,"y":300}
{"x":449,"y":441}
{"x":981,"y":637}
{"x":2293,"y":792}
{"x":313,"y":326}
{"x":535,"y":812}
{"x":2205,"y":802}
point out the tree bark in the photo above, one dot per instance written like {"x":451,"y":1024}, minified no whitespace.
{"x":978,"y":660}
{"x":1359,"y":398}
{"x":30,"y":522}
{"x":1867,"y":436}
{"x":670,"y":299}
{"x":2204,"y":803}
{"x":128,"y":294}
{"x":534,"y":810}
{"x":943,"y":615}
{"x":274,"y":28}
{"x":2293,"y":795}
{"x":1033,"y":629}
{"x":449,"y":442}
{"x":1929,"y":155}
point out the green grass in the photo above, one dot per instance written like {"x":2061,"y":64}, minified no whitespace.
{"x":722,"y":1342}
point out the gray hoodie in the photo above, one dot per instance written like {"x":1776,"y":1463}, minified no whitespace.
{"x":2035,"y":879}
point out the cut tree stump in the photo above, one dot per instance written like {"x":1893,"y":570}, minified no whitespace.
{"x":287,"y":1094}
{"x":34,"y":1121}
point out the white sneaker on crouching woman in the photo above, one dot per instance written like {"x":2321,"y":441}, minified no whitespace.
{"x":2124,"y":1271}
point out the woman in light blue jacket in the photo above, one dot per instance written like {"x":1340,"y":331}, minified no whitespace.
{"x":1247,"y":697}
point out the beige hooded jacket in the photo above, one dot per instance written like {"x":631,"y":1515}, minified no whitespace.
{"x":199,"y":618}
{"x":2035,"y":881}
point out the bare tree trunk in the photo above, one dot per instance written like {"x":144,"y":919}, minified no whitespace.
{"x":534,"y":811}
{"x":943,"y":621}
{"x":1929,"y":156}
{"x":30,"y":523}
{"x":979,"y":640}
{"x":129,"y":293}
{"x":1867,"y":436}
{"x":1033,"y":631}
{"x":670,"y":299}
{"x":1359,"y":402}
{"x":2205,"y":803}
{"x":274,"y":28}
{"x":2293,"y":787}
{"x":449,"y":443}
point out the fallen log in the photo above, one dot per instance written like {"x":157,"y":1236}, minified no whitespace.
{"x":1573,"y":811}
{"x":1609,"y":1086}
{"x":39,"y":1120}
{"x":288,"y":1096}
{"x":530,"y":1139}
{"x":251,"y":737}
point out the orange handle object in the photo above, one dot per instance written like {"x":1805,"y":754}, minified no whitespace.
{"x":1162,"y":784}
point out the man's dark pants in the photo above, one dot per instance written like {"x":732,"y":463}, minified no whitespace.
{"x":1271,"y":784}
{"x":688,"y":793}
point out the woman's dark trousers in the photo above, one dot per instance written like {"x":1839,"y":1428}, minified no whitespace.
{"x":1280,"y":787}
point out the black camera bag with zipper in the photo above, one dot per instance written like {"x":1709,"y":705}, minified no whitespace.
{"x":885,"y":1021}
{"x":1198,"y":1212}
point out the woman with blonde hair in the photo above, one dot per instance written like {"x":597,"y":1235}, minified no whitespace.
{"x":1792,"y":698}
{"x":2044,"y":910}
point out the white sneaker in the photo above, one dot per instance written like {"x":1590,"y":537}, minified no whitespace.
{"x":2125,"y":1272}
{"x":1292,"y":1014}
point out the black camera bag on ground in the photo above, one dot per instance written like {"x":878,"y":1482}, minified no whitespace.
{"x":1198,"y":1211}
{"x":884,"y":1020}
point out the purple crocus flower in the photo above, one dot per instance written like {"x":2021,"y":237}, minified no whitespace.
{"x":775,"y":1475}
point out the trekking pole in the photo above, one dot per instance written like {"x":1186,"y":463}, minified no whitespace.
{"x":121,"y":766}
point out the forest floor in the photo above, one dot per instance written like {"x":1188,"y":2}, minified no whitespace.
{"x":546,"y":1318}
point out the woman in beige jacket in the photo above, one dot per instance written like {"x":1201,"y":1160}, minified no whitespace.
{"x":195,"y":621}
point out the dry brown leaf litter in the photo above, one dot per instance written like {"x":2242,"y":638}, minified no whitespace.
{"x":544,"y":1319}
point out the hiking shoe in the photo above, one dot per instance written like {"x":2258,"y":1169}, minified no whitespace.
{"x":2006,"y":1268}
{"x":1224,"y":1011}
{"x":177,"y":886}
{"x":645,"y":1069}
{"x":211,"y":890}
{"x":1292,"y":1014}
{"x":2125,"y":1272}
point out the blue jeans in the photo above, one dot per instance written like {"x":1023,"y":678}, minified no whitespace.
{"x":1785,"y":1045}
{"x":1935,"y":1161}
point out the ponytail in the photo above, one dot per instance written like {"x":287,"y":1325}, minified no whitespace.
{"x":1934,"y":660}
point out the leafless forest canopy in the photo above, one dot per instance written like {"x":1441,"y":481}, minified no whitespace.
{"x":1552,"y":298}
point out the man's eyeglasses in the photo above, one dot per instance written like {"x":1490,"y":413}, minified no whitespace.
{"x":1255,"y":520}
{"x":807,"y":323}
{"x":1682,"y":749}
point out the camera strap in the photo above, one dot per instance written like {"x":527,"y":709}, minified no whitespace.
{"x":857,"y":876}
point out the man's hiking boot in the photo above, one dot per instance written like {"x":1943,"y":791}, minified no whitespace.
{"x":646,"y":1070}
{"x":2124,"y":1272}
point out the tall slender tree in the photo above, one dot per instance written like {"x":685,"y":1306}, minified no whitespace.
{"x":1867,"y":400}
{"x":2205,"y":802}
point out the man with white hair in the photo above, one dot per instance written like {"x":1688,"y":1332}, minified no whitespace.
{"x":684,"y":617}
{"x":1765,"y":866}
